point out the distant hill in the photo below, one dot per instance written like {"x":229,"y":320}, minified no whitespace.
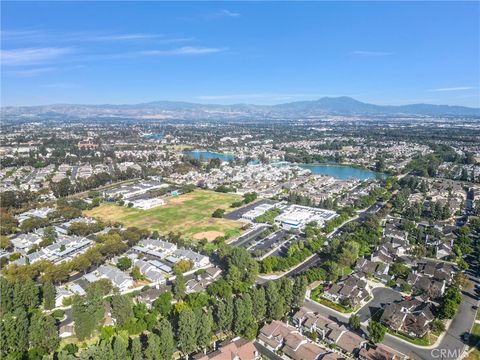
{"x":185,"y":110}
{"x":347,"y":106}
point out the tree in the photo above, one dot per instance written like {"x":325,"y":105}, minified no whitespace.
{"x":167,"y":341}
{"x":376,"y":332}
{"x":122,"y":308}
{"x":87,"y":314}
{"x":205,"y":329}
{"x":244,"y":322}
{"x":354,"y":322}
{"x":48,"y":295}
{"x":21,"y":329}
{"x":241,"y":268}
{"x":249,"y":197}
{"x":187,"y":331}
{"x":220,"y":289}
{"x":62,"y":188}
{"x":299,"y":290}
{"x":26,"y":293}
{"x":136,"y":274}
{"x":286,"y":291}
{"x":224,"y":314}
{"x":124,"y":263}
{"x":349,"y":253}
{"x":448,"y":308}
{"x":218,"y":213}
{"x":180,"y":287}
{"x":164,"y":303}
{"x":275,"y":302}
{"x":182,"y":266}
{"x":8,"y":223}
{"x":259,"y":303}
{"x":136,"y":349}
{"x":332,"y":271}
{"x":9,"y":334}
{"x":152,"y":352}
{"x":120,"y":350}
{"x":43,"y":332}
{"x":399,"y":269}
{"x":5,"y":242}
{"x":438,"y":326}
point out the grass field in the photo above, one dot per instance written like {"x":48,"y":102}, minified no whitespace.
{"x":190,"y":214}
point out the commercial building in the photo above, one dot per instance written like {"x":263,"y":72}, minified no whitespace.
{"x":297,"y":217}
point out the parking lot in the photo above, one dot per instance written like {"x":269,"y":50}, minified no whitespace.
{"x":250,"y":237}
{"x":270,"y":242}
{"x":237,"y":214}
{"x":381,"y":297}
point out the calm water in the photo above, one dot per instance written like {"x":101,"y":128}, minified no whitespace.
{"x":336,"y":171}
{"x":207,"y":155}
{"x":156,"y":136}
{"x":340,"y":172}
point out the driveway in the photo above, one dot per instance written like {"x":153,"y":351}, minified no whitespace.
{"x":451,"y":345}
{"x":381,"y":297}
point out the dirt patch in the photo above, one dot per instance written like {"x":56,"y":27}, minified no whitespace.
{"x":177,"y":200}
{"x":209,"y":235}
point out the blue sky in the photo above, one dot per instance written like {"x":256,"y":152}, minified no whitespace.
{"x":240,"y":52}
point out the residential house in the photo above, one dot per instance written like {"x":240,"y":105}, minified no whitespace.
{"x":236,"y":349}
{"x":200,"y":282}
{"x":118,"y":278}
{"x":411,"y":317}
{"x":372,"y":268}
{"x":280,"y":336}
{"x":352,"y":290}
{"x":380,"y":352}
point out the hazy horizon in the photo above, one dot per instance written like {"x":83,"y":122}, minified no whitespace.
{"x":385,"y":53}
{"x":225,"y":103}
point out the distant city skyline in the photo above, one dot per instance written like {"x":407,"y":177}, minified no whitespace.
{"x":384,"y":53}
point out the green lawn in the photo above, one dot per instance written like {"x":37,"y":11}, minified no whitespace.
{"x":474,"y":335}
{"x":316,"y":295}
{"x":420,"y":342}
{"x":190,"y":214}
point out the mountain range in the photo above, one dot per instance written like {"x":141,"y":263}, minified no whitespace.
{"x":184,"y":110}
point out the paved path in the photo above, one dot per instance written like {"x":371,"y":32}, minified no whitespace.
{"x":265,"y":352}
{"x":451,"y":345}
{"x":381,"y":297}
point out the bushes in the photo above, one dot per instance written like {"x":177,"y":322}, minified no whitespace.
{"x":450,"y":302}
{"x":218,"y":213}
{"x":269,"y":216}
{"x":297,"y":253}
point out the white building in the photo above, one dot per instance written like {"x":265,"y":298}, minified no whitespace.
{"x":296,"y":216}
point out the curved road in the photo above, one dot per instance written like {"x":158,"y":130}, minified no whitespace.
{"x":451,"y":345}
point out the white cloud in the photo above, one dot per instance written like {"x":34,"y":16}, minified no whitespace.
{"x":60,"y":86}
{"x":30,"y":72}
{"x":219,"y":14}
{"x":185,"y":50}
{"x":229,"y":13}
{"x":31,"y":56}
{"x":42,"y":37}
{"x":371,"y":53}
{"x":458,"y":88}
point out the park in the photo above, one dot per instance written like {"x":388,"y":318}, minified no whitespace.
{"x":189,"y":214}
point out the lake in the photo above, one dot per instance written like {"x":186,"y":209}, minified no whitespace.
{"x":336,"y":171}
{"x":207,"y":155}
{"x":340,"y":172}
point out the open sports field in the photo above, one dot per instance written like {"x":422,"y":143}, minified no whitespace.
{"x":190,"y":214}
